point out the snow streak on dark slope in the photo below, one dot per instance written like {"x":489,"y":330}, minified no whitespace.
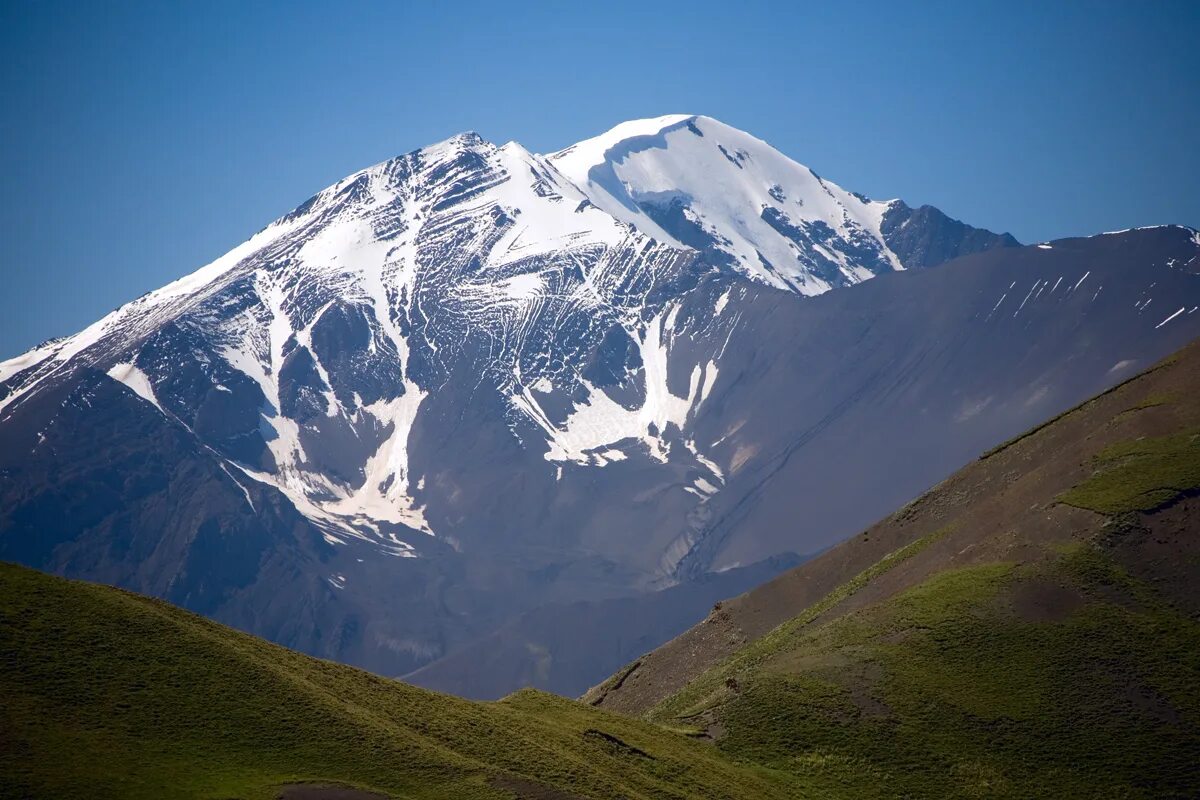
{"x":472,"y":381}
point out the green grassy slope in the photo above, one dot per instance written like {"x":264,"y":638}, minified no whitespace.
{"x":946,"y":691}
{"x":110,"y":694}
{"x":1140,"y":474}
{"x":1038,"y":635}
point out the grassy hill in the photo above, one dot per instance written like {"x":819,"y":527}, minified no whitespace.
{"x":1028,"y":628}
{"x":110,"y":694}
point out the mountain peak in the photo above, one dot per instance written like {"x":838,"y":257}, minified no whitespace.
{"x":695,"y":182}
{"x":593,"y":148}
{"x":464,"y":139}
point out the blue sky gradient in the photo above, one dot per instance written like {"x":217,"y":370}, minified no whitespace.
{"x":142,"y":140}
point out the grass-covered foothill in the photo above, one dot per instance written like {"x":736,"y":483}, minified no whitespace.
{"x":952,"y":690}
{"x":108,"y":694}
{"x":1140,"y":475}
{"x":717,"y":685}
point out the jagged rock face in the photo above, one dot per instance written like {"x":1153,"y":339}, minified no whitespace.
{"x":472,"y":380}
{"x":925,"y":237}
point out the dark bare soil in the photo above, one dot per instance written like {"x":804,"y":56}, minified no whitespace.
{"x":531,"y":790}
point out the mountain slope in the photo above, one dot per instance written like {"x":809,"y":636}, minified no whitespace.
{"x":453,"y":389}
{"x":1029,"y":628}
{"x":110,"y":694}
{"x":894,"y":384}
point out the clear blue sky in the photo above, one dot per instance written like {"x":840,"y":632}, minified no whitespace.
{"x":141,"y":140}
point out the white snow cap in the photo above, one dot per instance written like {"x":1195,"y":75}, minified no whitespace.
{"x":725,"y":181}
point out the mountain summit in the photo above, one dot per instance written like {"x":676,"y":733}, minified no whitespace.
{"x":697,"y":183}
{"x":472,"y":381}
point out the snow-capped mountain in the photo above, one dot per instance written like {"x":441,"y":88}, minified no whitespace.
{"x":472,"y":380}
{"x":320,"y":337}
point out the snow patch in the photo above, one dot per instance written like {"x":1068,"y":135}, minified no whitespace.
{"x":137,"y":381}
{"x":600,"y":422}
